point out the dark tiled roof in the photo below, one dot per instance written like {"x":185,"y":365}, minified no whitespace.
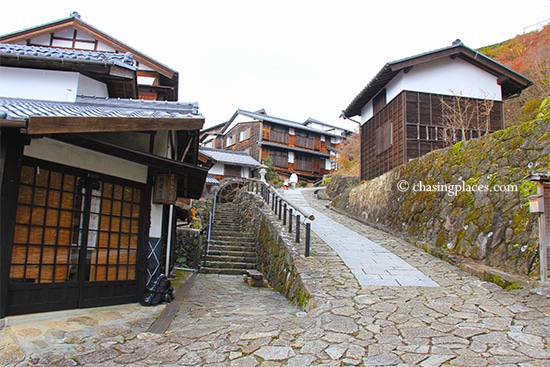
{"x":512,"y":84}
{"x":22,"y":51}
{"x":211,"y":180}
{"x":294,"y":149}
{"x":279,"y":121}
{"x":23,"y":109}
{"x":230,"y":156}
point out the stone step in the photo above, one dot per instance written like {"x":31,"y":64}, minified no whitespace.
{"x":229,"y":232}
{"x":248,"y":259}
{"x":228,"y":271}
{"x":227,"y":247}
{"x":231,"y":251}
{"x":243,"y":241}
{"x":229,"y":265}
{"x":224,"y":251}
{"x":220,"y":222}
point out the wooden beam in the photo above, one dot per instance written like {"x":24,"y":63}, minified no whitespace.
{"x":40,"y":125}
{"x":148,"y":159}
{"x":121,"y":72}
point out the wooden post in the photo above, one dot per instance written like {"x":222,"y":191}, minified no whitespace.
{"x":543,"y":237}
{"x":290,"y":220}
{"x":297,"y":228}
{"x":308,"y":238}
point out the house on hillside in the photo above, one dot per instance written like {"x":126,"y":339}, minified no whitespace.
{"x":428,"y":101}
{"x":89,"y":172}
{"x":292,"y":146}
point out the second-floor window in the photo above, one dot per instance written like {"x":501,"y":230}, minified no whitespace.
{"x":304,"y":140}
{"x":245,"y":134}
{"x":280,"y":159}
{"x":229,"y":141}
{"x":303,"y":163}
{"x":278,"y":135}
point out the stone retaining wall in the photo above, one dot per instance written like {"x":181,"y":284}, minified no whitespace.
{"x":277,"y":259}
{"x":491,"y":228}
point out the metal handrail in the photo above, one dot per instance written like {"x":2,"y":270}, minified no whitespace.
{"x":211,"y":216}
{"x":283,"y":209}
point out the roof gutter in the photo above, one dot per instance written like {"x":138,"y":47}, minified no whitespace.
{"x":343,"y":115}
{"x":69,"y":60}
{"x":14,"y":124}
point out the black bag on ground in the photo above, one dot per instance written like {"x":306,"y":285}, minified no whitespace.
{"x":159,"y":290}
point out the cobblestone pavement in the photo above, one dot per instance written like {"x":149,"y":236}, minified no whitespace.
{"x":223,"y":322}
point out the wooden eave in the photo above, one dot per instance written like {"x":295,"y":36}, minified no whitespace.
{"x":511,"y":82}
{"x":43,"y":125}
{"x":111,"y":74}
{"x":538,"y":176}
{"x":191,"y":177}
{"x":89,"y":67}
{"x":82,"y":26}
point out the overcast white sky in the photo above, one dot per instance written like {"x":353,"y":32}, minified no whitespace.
{"x":297,"y":59}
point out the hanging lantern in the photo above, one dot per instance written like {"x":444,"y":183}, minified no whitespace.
{"x":536,"y":203}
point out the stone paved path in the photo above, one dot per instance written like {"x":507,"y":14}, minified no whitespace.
{"x":370,"y":263}
{"x":462,"y":322}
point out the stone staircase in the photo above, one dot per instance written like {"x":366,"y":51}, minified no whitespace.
{"x":231,"y":251}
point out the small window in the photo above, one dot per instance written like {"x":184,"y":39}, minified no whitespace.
{"x":232,"y":171}
{"x":245,"y":134}
{"x":229,"y":141}
{"x":384,"y":137}
{"x":379,"y":102}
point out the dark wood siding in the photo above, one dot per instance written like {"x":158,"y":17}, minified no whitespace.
{"x":426,"y":126}
{"x":419,"y":125}
{"x":245,"y":138}
{"x":391,"y":153}
{"x":76,"y":239}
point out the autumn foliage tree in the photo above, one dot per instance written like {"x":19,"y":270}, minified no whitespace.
{"x":348,"y":161}
{"x":461,"y":117}
{"x":529,"y":55}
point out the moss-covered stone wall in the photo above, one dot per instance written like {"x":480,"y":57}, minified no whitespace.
{"x":484,"y":213}
{"x":276,"y":256}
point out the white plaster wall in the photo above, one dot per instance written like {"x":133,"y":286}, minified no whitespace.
{"x":38,"y":84}
{"x":156,"y":221}
{"x":62,"y":86}
{"x":448,"y":77}
{"x":444,"y":76}
{"x":70,"y":155}
{"x":216,"y":169}
{"x":162,"y":144}
{"x":91,"y":88}
{"x":366,"y":112}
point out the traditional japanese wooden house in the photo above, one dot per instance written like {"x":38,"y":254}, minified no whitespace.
{"x":88,"y":171}
{"x":428,"y":101}
{"x":293,"y":147}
